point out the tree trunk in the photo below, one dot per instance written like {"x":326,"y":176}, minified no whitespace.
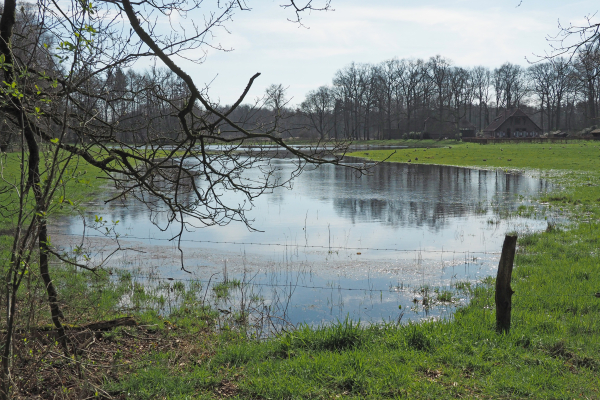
{"x":542,"y":115}
{"x":558,"y":111}
{"x":41,"y":205}
{"x":591,"y":103}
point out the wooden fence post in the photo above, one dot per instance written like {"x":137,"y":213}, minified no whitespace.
{"x":503,"y":290}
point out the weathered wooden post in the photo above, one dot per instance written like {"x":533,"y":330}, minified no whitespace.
{"x":503,"y":290}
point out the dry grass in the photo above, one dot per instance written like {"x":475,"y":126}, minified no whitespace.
{"x":43,"y":371}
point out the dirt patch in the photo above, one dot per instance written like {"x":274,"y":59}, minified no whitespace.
{"x":43,"y":370}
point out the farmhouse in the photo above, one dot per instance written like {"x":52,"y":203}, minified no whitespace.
{"x":512,"y":124}
{"x":438,"y":129}
{"x":466,"y":128}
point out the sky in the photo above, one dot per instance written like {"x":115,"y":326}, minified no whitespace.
{"x":468,"y":32}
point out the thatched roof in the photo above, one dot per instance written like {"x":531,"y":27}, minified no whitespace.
{"x":464,"y":124}
{"x":503,"y":116}
{"x":440,"y":127}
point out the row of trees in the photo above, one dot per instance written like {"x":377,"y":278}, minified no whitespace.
{"x":142,"y":107}
{"x":367,"y":101}
{"x":134,"y":107}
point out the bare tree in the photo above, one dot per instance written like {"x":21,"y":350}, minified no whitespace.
{"x":318,"y":109}
{"x":562,"y":84}
{"x":510,"y":85}
{"x":275,"y":97}
{"x":413,"y":88}
{"x":459,"y":91}
{"x":369,"y":76}
{"x":439,"y":71}
{"x":481,"y":77}
{"x":572,"y":39}
{"x":587,"y":67}
{"x":350,"y":88}
{"x":539,"y":76}
{"x":552,"y":82}
{"x":390,"y":72}
{"x":580,"y":43}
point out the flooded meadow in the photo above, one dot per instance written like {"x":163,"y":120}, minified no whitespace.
{"x":404,"y":243}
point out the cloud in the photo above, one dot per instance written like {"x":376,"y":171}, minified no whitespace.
{"x":469,"y":32}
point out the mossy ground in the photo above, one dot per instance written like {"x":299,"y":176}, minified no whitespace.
{"x":552,"y":350}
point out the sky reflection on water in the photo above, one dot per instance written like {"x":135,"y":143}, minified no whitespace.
{"x":338,"y":244}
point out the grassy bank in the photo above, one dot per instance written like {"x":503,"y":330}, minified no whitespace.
{"x":80,"y":184}
{"x":580,"y":156}
{"x":552,"y":351}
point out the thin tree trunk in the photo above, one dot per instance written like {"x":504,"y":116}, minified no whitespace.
{"x":34,"y":183}
{"x":542,"y":114}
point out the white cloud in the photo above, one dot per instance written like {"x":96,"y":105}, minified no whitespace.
{"x":470,"y":32}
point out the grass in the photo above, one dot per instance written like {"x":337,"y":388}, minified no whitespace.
{"x":81,"y":184}
{"x":221,"y":289}
{"x":579,"y":156}
{"x":552,"y":350}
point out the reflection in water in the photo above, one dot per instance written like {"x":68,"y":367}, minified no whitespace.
{"x":392,"y":232}
{"x":418,"y":195}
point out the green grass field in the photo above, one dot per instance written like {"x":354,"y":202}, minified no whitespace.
{"x":579,"y":156}
{"x":552,"y":351}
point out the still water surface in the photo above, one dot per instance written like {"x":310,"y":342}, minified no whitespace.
{"x":339,"y":245}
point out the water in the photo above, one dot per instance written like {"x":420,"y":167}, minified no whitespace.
{"x":337,"y":245}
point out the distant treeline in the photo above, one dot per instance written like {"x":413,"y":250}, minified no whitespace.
{"x":366,"y":100}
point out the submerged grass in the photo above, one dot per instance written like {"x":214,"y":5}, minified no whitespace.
{"x":552,"y":350}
